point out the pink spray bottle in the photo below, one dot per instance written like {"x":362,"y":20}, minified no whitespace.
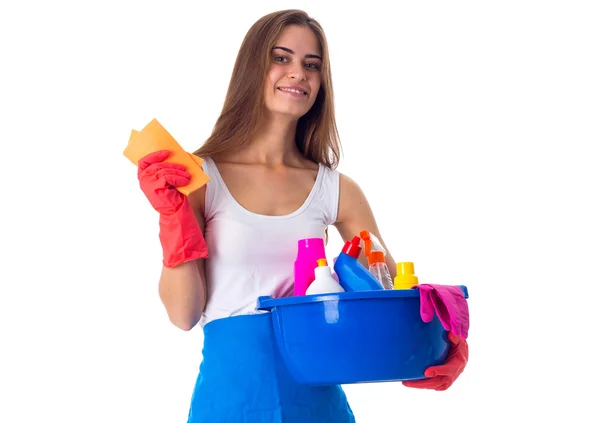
{"x":309,"y":251}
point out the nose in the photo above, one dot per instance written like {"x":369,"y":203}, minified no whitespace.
{"x":297,"y":72}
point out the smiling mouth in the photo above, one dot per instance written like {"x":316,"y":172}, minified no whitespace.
{"x":292,"y":91}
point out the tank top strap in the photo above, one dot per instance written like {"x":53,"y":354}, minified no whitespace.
{"x":215,"y":196}
{"x":328,"y":195}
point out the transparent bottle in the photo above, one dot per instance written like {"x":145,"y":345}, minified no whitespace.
{"x":379,"y":269}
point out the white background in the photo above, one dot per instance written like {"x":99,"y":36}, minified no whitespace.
{"x":470,"y":125}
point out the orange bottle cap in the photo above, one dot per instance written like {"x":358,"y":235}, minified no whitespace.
{"x":376,"y":257}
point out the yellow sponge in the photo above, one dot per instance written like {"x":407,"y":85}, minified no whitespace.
{"x":155,"y":137}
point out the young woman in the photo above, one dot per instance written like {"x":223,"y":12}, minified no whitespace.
{"x":271,"y":158}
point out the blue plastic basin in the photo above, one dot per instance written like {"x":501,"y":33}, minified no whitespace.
{"x":356,"y":337}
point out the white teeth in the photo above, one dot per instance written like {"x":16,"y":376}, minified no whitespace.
{"x":291,"y":90}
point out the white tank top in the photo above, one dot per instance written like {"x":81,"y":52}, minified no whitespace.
{"x":250,"y":254}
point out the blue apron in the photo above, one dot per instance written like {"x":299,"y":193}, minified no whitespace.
{"x":242,"y":379}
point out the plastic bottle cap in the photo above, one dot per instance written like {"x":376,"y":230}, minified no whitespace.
{"x":405,"y":275}
{"x":308,"y":243}
{"x":366,"y":237}
{"x":352,"y":248}
{"x":376,"y":257}
{"x":322,"y":262}
{"x":405,"y":268}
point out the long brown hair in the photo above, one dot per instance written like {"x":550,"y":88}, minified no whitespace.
{"x":317,"y":136}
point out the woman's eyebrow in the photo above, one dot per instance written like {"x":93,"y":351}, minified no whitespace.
{"x":289,"y":50}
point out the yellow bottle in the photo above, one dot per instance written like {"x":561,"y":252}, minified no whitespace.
{"x":405,"y":276}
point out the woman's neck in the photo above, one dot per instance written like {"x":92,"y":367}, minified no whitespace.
{"x":274,"y":143}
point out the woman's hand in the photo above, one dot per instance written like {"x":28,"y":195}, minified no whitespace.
{"x":180,"y":235}
{"x":442,"y":377}
{"x":158,"y":180}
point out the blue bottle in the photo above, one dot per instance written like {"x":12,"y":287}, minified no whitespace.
{"x":352,"y":274}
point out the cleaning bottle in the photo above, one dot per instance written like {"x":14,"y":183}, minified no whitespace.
{"x":324,"y":282}
{"x":353,"y":276}
{"x":309,"y":251}
{"x":375,"y":254}
{"x":405,"y":276}
{"x":379,"y":269}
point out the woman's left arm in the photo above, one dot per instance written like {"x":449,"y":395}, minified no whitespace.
{"x":355,"y":215}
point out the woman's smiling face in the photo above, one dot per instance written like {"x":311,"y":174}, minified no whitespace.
{"x":294,"y":78}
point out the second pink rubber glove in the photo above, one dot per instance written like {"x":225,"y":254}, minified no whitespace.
{"x":450,"y":305}
{"x":441,"y":377}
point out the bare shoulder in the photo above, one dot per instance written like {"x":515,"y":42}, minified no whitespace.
{"x":349,"y":185}
{"x":352,"y":198}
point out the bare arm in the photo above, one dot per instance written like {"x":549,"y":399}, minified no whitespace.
{"x":182,"y":289}
{"x":355,"y":215}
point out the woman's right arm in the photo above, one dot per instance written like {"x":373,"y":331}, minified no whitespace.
{"x":182,"y":288}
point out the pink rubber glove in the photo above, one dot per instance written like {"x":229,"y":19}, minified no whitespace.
{"x":442,"y":377}
{"x":180,"y":235}
{"x":450,"y":305}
